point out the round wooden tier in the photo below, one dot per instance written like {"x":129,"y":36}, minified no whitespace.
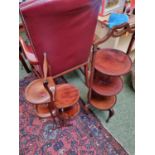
{"x":66,"y":95}
{"x":112,"y":62}
{"x":35,"y":92}
{"x":107,"y":85}
{"x":43,"y":110}
{"x":102,"y":102}
{"x":72,"y":111}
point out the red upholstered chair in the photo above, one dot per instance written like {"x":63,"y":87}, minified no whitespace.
{"x":63,"y":29}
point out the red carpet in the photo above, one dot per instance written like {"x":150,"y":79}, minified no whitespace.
{"x":86,"y":137}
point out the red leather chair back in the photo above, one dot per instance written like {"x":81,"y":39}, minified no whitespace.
{"x":64,"y":29}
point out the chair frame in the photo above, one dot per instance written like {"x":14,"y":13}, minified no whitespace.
{"x":39,"y":73}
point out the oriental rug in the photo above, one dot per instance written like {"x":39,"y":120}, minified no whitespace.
{"x":86,"y":136}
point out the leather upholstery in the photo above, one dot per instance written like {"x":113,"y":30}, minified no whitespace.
{"x":64,"y":29}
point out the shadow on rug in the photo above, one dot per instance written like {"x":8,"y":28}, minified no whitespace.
{"x":87,"y":136}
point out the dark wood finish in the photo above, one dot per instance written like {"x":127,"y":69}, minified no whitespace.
{"x":45,"y":67}
{"x":132,"y":24}
{"x":132,"y":30}
{"x":66,"y":95}
{"x":96,"y":100}
{"x":102,"y":102}
{"x":107,"y":85}
{"x":107,"y":65}
{"x":58,"y":101}
{"x":51,"y":104}
{"x":36,"y":70}
{"x":116,"y":31}
{"x":61,"y":104}
{"x":21,"y":28}
{"x":22,"y":60}
{"x":112,"y":62}
{"x":105,"y":81}
{"x":28,"y":52}
{"x":43,"y":111}
{"x":120,"y":30}
{"x":111,"y":113}
{"x":92,"y":70}
{"x":86,"y":72}
{"x":131,"y":44}
{"x":71,"y":111}
{"x":36,"y":93}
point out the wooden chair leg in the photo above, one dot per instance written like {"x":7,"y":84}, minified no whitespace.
{"x":86,"y":74}
{"x":24,"y":63}
{"x":111,"y":113}
{"x":36,"y":73}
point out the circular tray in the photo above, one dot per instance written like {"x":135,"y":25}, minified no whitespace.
{"x":66,"y":95}
{"x":107,"y":85}
{"x":102,"y":102}
{"x":35,"y":92}
{"x":112,"y":62}
{"x":72,"y":111}
{"x":43,"y":111}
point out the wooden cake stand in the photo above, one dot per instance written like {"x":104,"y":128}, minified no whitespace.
{"x":105,"y":81}
{"x":66,"y":98}
{"x":50,"y":100}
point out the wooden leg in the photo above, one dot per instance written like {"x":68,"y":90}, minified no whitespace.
{"x":85,"y":107}
{"x":24,"y":63}
{"x":86,"y":74}
{"x":131,"y":44}
{"x":116,"y":42}
{"x":111,"y":113}
{"x":64,"y":123}
{"x":36,"y":73}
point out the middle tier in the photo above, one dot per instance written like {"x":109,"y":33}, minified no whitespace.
{"x":107,"y":85}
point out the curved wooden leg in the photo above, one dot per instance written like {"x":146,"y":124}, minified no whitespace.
{"x":64,"y":123}
{"x":24,"y":63}
{"x":34,"y":72}
{"x":86,"y":108}
{"x":86,"y":74}
{"x":131,"y":44}
{"x":111,"y":113}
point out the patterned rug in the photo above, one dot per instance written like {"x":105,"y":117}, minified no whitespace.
{"x":87,"y":136}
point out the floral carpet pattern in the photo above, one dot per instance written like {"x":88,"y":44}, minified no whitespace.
{"x":86,"y":136}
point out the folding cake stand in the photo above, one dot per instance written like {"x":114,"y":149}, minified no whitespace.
{"x":105,"y":81}
{"x":66,"y":98}
{"x":50,"y":100}
{"x":106,"y":69}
